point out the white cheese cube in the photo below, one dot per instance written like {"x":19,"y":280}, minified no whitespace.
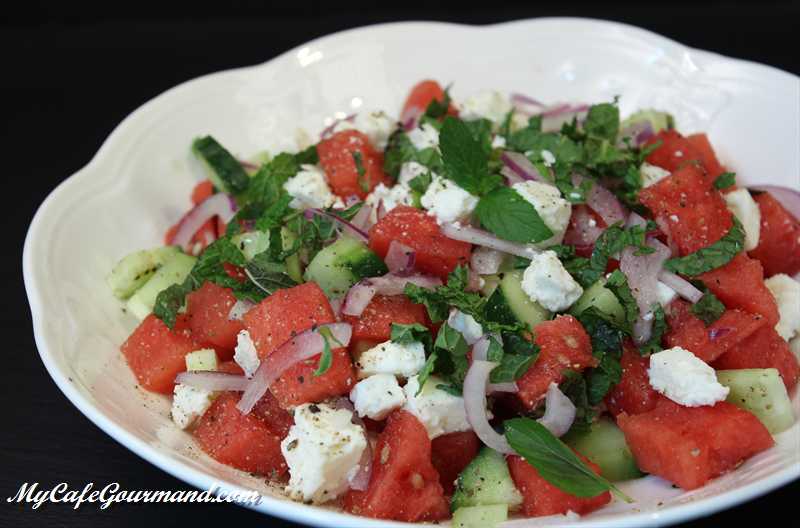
{"x":786,"y":291}
{"x":448,"y":202}
{"x":377,"y":126}
{"x":552,"y":208}
{"x":742,"y":205}
{"x":401,"y":360}
{"x":466,"y":324}
{"x":547,"y":282}
{"x":410,"y":170}
{"x":245,"y":354}
{"x":377,"y":396}
{"x":440,"y":412}
{"x":399,"y":194}
{"x":486,"y":104}
{"x":424,"y":136}
{"x":651,"y":174}
{"x":310,"y":189}
{"x":189,"y":403}
{"x":322,"y":450}
{"x":684,"y":378}
{"x":665,"y":295}
{"x":498,"y":142}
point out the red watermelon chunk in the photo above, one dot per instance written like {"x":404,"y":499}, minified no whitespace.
{"x":404,"y":485}
{"x":375,"y":323}
{"x":540,"y":498}
{"x":633,"y":394}
{"x":565,"y":346}
{"x":250,"y":442}
{"x":778,"y":247}
{"x":287,"y":313}
{"x":156,"y":354}
{"x":739,"y":284}
{"x":436,"y":254}
{"x":707,"y":154}
{"x":690,"y":333}
{"x":763,"y":349}
{"x":674,"y":151}
{"x":689,"y":205}
{"x":336,"y":158}
{"x":208,"y":308}
{"x":451,"y":453}
{"x":688,"y":446}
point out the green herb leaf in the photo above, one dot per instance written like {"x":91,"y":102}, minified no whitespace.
{"x":508,"y":215}
{"x":726,"y":180}
{"x":464,"y":158}
{"x":712,"y":256}
{"x":555,"y":462}
{"x":360,"y":170}
{"x":709,"y":308}
{"x":326,"y":359}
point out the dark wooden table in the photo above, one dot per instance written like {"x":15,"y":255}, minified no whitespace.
{"x":71,"y":71}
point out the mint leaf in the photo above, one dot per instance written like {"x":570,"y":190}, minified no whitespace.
{"x":438,"y":109}
{"x":360,"y":170}
{"x":326,"y":359}
{"x":602,"y":122}
{"x":463,"y":157}
{"x":613,"y":239}
{"x":508,"y":215}
{"x":709,"y":308}
{"x":555,"y":462}
{"x":710,"y":257}
{"x":660,"y":328}
{"x":726,"y":180}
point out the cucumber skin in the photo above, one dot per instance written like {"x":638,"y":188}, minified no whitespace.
{"x":509,"y":304}
{"x":172,"y":272}
{"x":342,"y":264}
{"x":761,"y":392}
{"x":606,"y":447}
{"x":223,"y":170}
{"x":598,"y":296}
{"x":135,"y":269}
{"x":490,"y":469}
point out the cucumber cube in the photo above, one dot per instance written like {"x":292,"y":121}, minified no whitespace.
{"x":762,"y":392}
{"x":486,"y":481}
{"x":606,"y":447}
{"x":488,"y":515}
{"x":174,"y":271}
{"x":135,"y":269}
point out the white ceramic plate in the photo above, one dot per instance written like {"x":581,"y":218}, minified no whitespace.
{"x":139,"y":183}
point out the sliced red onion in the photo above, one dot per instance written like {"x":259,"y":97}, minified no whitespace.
{"x":681,"y":287}
{"x":411,"y":116}
{"x":347,"y":227}
{"x":637,"y":133}
{"x":400,"y":256}
{"x":559,"y":412}
{"x":362,"y":218}
{"x":553,"y":119}
{"x":497,"y":390}
{"x":393,"y":283}
{"x":663,"y":226}
{"x":511,"y":176}
{"x":475,"y":282}
{"x":482,"y":237}
{"x":336,"y":306}
{"x":481,"y":346}
{"x":522,"y":167}
{"x":642,"y":273}
{"x":249,"y":225}
{"x":359,"y":481}
{"x":524,"y":99}
{"x":583,"y":230}
{"x":789,"y":198}
{"x":602,"y":201}
{"x":248,"y":165}
{"x":219,"y":204}
{"x":213,"y":380}
{"x":351,"y":200}
{"x":240,"y":308}
{"x":303,"y":346}
{"x":486,"y":260}
{"x":719,"y":333}
{"x":476,"y":383}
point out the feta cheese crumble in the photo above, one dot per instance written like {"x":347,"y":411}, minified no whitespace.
{"x":322,"y":450}
{"x":189,"y":404}
{"x":554,"y":210}
{"x":547,"y":282}
{"x":310,"y":189}
{"x":410,"y":170}
{"x":650,"y":174}
{"x":486,"y":104}
{"x":466,"y":325}
{"x":439,"y":411}
{"x":245,"y":353}
{"x":376,"y":125}
{"x":448,"y":202}
{"x":685,"y":379}
{"x":786,"y":291}
{"x":401,"y":360}
{"x":742,"y":205}
{"x":377,"y":396}
{"x":399,"y":194}
{"x":424,"y":136}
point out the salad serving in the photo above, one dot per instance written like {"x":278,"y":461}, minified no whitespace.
{"x":473,"y":310}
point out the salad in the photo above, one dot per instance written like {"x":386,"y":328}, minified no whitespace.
{"x":474,"y":310}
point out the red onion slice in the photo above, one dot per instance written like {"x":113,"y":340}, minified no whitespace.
{"x":681,"y":287}
{"x":393,"y":283}
{"x":637,"y":133}
{"x":524,"y":99}
{"x":361,"y":219}
{"x":303,"y":346}
{"x":400,"y":256}
{"x":219,"y":204}
{"x":789,"y":198}
{"x":497,"y":390}
{"x":213,"y":380}
{"x":602,"y":201}
{"x":481,"y":346}
{"x":240,"y":308}
{"x":476,"y":383}
{"x":583,"y":230}
{"x":642,"y":273}
{"x":347,"y":227}
{"x":559,"y":412}
{"x":482,"y":237}
{"x":523,"y":167}
{"x":485,"y":260}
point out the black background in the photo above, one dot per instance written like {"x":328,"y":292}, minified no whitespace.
{"x":71,"y":71}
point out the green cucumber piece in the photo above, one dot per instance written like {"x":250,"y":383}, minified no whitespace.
{"x":342,"y":264}
{"x":224,"y":171}
{"x":486,"y":481}
{"x":484,"y":515}
{"x":762,"y":392}
{"x":135,"y":269}
{"x":659,"y":120}
{"x":509,"y":304}
{"x":598,"y":296}
{"x":606,"y":447}
{"x":203,"y":359}
{"x":173,"y":271}
{"x":254,"y":242}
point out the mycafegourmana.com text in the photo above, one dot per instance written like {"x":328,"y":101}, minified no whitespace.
{"x":111,"y":494}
